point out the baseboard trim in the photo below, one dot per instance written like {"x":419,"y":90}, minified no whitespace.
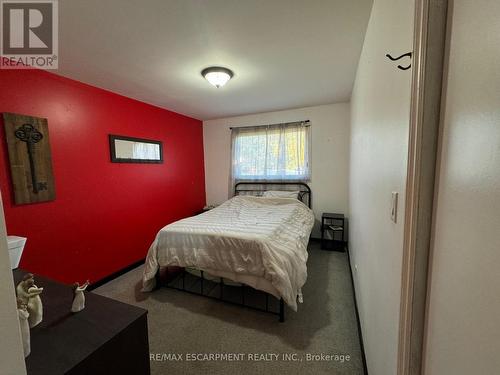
{"x":360,"y":334}
{"x":116,"y":274}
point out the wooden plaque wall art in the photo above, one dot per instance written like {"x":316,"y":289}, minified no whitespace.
{"x":30,"y":158}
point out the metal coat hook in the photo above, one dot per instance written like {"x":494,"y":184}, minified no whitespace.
{"x":409,"y":54}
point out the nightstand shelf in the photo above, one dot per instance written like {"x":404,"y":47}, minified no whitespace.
{"x":333,"y":224}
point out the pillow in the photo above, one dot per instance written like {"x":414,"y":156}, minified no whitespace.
{"x":281,"y":194}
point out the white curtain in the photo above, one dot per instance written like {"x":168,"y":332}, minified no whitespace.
{"x":278,"y":152}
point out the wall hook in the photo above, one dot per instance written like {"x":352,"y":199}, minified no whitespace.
{"x":409,"y":54}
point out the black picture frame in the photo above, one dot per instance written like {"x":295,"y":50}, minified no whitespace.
{"x":112,"y":148}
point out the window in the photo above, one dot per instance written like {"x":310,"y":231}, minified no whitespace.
{"x":271,"y":153}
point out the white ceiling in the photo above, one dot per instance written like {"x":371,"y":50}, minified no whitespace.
{"x":284,"y":53}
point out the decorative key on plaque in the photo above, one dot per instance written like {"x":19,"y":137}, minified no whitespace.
{"x":28,"y":134}
{"x":30,"y":159}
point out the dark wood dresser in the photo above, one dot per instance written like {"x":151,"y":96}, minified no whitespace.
{"x":107,"y":337}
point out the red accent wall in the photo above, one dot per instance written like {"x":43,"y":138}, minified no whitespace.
{"x":105,"y":215}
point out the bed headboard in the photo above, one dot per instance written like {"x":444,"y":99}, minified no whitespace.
{"x":258,"y":188}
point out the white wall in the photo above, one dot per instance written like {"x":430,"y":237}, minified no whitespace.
{"x":11,"y":350}
{"x":463,"y":333}
{"x":380,"y":108}
{"x":330,"y":153}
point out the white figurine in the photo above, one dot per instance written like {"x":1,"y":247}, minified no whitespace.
{"x":22,"y":311}
{"x":35,"y":307}
{"x":79,"y":300}
{"x":29,"y":293}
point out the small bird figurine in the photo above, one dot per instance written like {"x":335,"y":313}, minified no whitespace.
{"x":79,"y":299}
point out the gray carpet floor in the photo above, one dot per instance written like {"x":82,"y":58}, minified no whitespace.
{"x":181,"y":323}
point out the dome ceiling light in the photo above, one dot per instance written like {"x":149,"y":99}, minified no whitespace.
{"x":217,"y":75}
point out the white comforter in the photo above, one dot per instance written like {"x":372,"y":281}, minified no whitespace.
{"x":246,"y":235}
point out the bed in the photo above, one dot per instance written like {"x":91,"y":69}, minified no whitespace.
{"x":255,"y":239}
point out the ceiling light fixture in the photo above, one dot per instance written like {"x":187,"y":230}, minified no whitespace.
{"x":217,"y":75}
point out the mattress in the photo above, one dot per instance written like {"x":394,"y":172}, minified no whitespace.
{"x":259,"y":241}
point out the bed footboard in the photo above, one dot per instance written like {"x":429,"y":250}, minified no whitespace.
{"x":242,"y":295}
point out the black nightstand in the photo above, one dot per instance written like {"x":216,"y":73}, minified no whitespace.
{"x":333,"y":223}
{"x":207,"y":208}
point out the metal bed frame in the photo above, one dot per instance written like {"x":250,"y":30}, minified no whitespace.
{"x":258,"y":188}
{"x":240,"y":188}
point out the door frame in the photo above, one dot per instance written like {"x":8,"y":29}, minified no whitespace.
{"x":12,"y":353}
{"x":426,"y":91}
